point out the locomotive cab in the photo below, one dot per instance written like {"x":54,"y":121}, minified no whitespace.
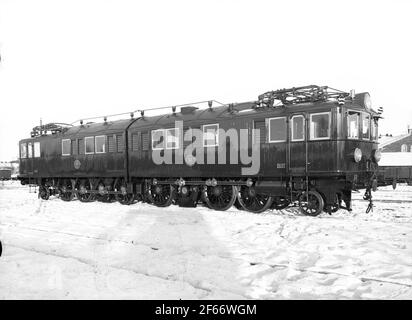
{"x":359,"y":141}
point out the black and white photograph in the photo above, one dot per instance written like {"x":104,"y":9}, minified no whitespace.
{"x":205,"y":150}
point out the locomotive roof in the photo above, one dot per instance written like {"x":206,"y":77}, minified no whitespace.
{"x":202,"y":115}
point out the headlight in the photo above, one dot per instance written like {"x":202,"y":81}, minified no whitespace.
{"x":367,"y":101}
{"x":377,"y":156}
{"x":357,"y":155}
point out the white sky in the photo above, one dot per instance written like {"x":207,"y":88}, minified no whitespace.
{"x":65,"y":60}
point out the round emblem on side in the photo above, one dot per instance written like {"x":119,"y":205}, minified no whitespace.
{"x":77,"y":164}
{"x":190,"y":160}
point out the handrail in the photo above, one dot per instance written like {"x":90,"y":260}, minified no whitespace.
{"x":142,"y":111}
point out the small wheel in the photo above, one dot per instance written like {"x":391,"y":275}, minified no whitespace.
{"x":161,"y":195}
{"x":44,"y":192}
{"x":83,"y":190}
{"x":102,"y":188}
{"x":124,"y":198}
{"x":252,"y":201}
{"x":219,"y":197}
{"x":280,"y":203}
{"x":66,"y":191}
{"x":311,"y":203}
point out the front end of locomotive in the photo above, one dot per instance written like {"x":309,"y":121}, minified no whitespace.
{"x":360,"y":154}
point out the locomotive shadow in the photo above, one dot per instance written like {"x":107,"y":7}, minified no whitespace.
{"x":173,"y":244}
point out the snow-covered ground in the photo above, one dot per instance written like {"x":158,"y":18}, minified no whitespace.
{"x":61,"y":250}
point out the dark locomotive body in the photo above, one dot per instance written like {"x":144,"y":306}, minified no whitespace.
{"x":307,"y":155}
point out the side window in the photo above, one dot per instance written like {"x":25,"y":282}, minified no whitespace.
{"x":158,"y":141}
{"x":23,"y":150}
{"x":80,"y":146}
{"x":66,"y":147}
{"x":320,"y":126}
{"x":298,"y":128}
{"x":277,"y":129}
{"x":100,"y":144}
{"x":353,"y":125}
{"x":211,"y":135}
{"x":120,"y":143}
{"x":89,"y":145}
{"x":111,"y":146}
{"x":366,"y":121}
{"x":74,"y":147}
{"x":37,"y":149}
{"x":145,"y":141}
{"x":172,"y":138}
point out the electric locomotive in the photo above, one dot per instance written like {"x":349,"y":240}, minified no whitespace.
{"x":307,"y":146}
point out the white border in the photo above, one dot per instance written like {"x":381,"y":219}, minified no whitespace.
{"x":164,"y":139}
{"x":178,"y":138}
{"x":95,"y":143}
{"x":268,"y":131}
{"x":310,"y":125}
{"x":216,"y":136}
{"x":85,"y":139}
{"x":67,"y":154}
{"x":291,"y":127}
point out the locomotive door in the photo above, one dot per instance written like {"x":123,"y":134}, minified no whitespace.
{"x":297,"y":144}
{"x":29,"y":161}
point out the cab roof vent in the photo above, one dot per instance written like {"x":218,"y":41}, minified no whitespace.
{"x":188,"y":109}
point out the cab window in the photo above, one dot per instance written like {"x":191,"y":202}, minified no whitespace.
{"x":320,"y":126}
{"x":353,"y":125}
{"x":66,"y":147}
{"x":298,"y":128}
{"x":277,"y":129}
{"x":30,"y":150}
{"x":23,"y":150}
{"x":100,"y":142}
{"x":37,"y":149}
{"x":374,"y":129}
{"x":366,"y":126}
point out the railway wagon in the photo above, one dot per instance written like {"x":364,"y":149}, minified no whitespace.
{"x":395,"y":174}
{"x":5,"y":174}
{"x":396,"y":167}
{"x":309,"y":146}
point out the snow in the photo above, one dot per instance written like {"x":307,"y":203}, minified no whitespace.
{"x":396,"y":159}
{"x":71,"y":250}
